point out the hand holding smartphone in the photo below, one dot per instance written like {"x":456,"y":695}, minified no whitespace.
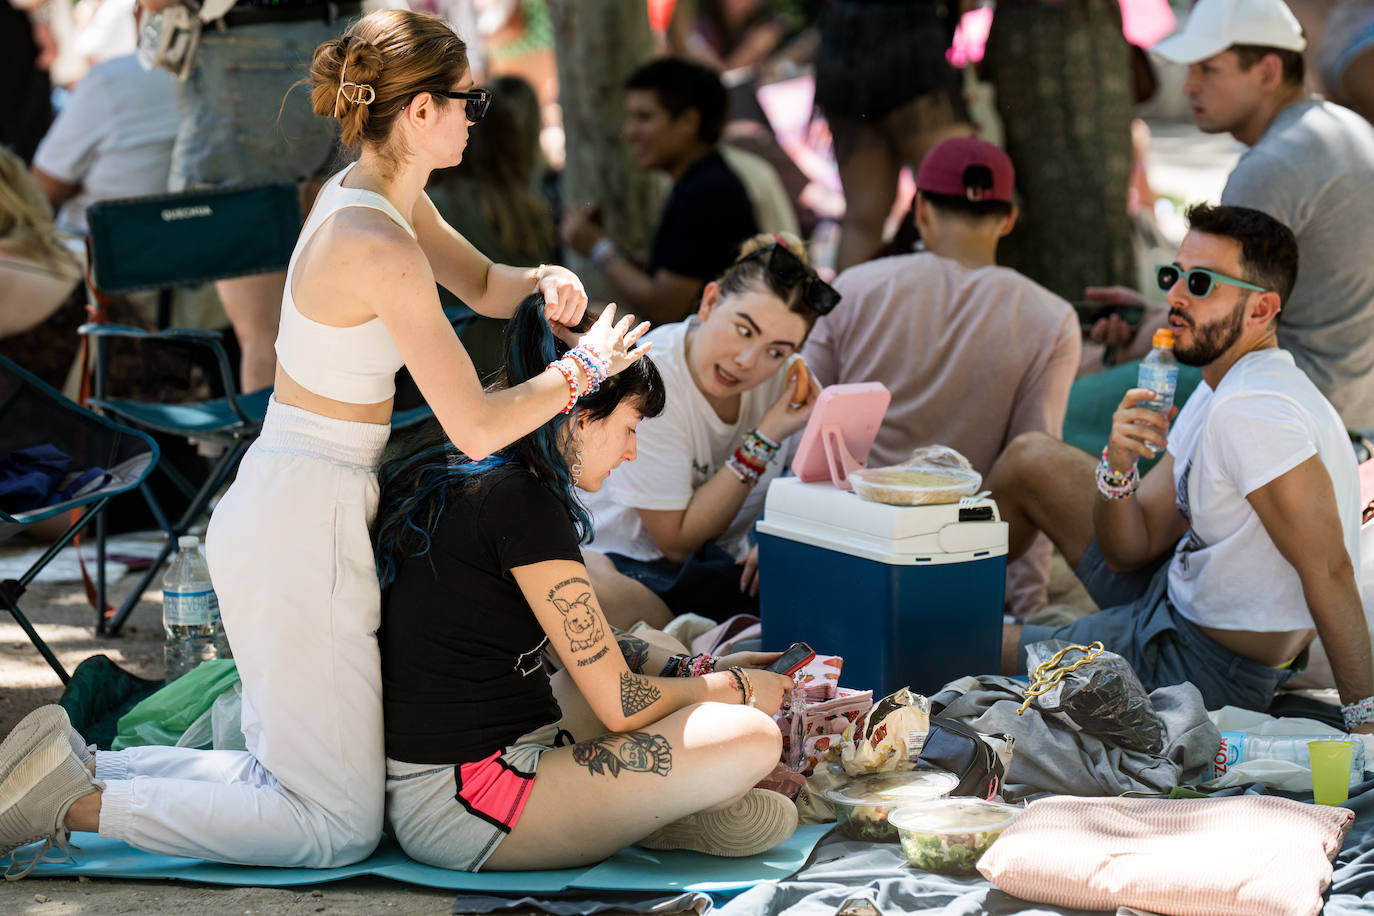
{"x":794,"y":659}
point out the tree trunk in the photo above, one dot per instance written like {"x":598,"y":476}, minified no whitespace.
{"x":599,"y":43}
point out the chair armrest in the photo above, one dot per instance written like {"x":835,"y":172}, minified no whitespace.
{"x":210,"y":340}
{"x":182,"y":335}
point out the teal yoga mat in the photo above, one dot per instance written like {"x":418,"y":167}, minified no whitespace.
{"x":631,"y":869}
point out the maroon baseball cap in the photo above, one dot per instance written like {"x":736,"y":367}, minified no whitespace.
{"x":967,"y":167}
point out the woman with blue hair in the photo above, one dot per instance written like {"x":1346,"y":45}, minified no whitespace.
{"x":483,"y":578}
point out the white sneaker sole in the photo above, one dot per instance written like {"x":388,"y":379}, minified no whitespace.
{"x":756,"y":823}
{"x":25,"y":737}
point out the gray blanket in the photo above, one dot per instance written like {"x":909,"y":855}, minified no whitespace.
{"x":1050,"y":758}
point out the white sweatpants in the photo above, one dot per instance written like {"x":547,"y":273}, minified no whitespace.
{"x":291,"y":561}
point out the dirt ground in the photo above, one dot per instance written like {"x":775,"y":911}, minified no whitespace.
{"x":63,"y":618}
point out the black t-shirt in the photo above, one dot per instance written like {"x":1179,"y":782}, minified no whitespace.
{"x":707,"y":216}
{"x":461,"y":670}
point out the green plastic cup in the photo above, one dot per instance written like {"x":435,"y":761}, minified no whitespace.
{"x":1331,"y":762}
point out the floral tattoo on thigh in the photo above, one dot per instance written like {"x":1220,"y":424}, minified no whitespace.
{"x":636,"y":752}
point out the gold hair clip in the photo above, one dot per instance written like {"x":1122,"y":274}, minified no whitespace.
{"x":356,"y":93}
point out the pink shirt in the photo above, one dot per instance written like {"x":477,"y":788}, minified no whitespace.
{"x":972,"y":357}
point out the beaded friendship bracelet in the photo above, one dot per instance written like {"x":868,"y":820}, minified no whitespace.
{"x":569,"y":370}
{"x":1114,"y":484}
{"x":1358,"y":713}
{"x":746,"y":687}
{"x":751,"y":459}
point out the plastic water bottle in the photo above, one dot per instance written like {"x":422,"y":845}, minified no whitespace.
{"x":190,"y":612}
{"x":1159,"y":372}
{"x":1238,"y":747}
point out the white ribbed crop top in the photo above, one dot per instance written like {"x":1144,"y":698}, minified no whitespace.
{"x":356,"y":364}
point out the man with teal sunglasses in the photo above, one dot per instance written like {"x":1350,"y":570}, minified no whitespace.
{"x":1237,"y":549}
{"x":1200,"y":281}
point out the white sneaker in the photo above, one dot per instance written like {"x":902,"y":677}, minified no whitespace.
{"x":35,"y":793}
{"x":32,"y":731}
{"x":756,"y":823}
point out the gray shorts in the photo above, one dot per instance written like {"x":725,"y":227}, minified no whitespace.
{"x":455,"y":816}
{"x":230,"y":132}
{"x":1141,"y":625}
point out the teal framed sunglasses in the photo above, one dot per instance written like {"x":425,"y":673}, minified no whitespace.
{"x":1199,"y":281}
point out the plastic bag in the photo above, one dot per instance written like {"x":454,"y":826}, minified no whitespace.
{"x":1102,"y":697}
{"x":164,"y":717}
{"x":933,"y":474}
{"x":220,"y":727}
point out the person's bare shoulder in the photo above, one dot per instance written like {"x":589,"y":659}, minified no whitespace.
{"x":361,"y":254}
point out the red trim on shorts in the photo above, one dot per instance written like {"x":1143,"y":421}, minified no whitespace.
{"x":493,"y":790}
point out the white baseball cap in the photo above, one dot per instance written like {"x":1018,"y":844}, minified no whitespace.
{"x":1215,"y":25}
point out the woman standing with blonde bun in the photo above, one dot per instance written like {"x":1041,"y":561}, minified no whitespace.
{"x":288,"y":545}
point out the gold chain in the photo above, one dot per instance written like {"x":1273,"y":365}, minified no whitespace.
{"x":1048,"y":673}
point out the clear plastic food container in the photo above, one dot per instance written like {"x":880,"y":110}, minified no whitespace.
{"x":949,"y":835}
{"x":862,"y":806}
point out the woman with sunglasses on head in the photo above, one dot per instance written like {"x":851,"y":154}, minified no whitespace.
{"x":288,"y":545}
{"x":483,"y":578}
{"x":677,"y":521}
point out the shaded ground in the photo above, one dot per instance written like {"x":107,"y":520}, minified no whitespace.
{"x":64,"y":620}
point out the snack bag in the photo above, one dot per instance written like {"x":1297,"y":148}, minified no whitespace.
{"x":890,"y":737}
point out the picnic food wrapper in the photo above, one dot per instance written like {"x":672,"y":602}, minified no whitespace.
{"x":832,"y":717}
{"x":890,"y":736}
{"x":820,"y":677}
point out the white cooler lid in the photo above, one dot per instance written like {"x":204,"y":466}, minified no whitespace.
{"x":824,"y":516}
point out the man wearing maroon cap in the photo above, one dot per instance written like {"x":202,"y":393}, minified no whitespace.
{"x":973,"y":353}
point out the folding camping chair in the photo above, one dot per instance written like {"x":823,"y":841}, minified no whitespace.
{"x":168,"y":240}
{"x":173,"y":240}
{"x":106,"y":459}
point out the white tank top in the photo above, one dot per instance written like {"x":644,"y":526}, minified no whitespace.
{"x":356,"y":365}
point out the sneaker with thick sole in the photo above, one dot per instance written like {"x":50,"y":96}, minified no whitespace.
{"x":760,"y":820}
{"x":32,"y":731}
{"x":33,"y":728}
{"x":35,"y":794}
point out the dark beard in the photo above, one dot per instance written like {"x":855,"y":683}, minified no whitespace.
{"x":1212,"y":340}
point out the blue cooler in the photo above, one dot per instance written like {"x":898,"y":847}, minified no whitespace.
{"x":907,"y":595}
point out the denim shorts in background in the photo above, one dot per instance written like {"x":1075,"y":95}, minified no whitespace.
{"x":230,"y":132}
{"x":1140,"y":624}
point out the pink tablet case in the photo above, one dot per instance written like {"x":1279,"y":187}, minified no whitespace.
{"x":840,"y":432}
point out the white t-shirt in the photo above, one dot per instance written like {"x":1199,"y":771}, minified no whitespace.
{"x":113,"y":137}
{"x":1264,"y":419}
{"x":678,"y":451}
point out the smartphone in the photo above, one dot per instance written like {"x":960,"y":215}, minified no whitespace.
{"x":793,"y":659}
{"x":1091,"y":312}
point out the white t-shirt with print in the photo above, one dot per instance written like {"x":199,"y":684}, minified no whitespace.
{"x":1264,"y":419}
{"x":678,"y":451}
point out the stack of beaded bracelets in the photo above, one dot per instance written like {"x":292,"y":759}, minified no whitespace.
{"x":1114,"y":484}
{"x":689,"y":666}
{"x":751,"y":459}
{"x":746,"y":687}
{"x":1358,"y":713}
{"x":594,"y":367}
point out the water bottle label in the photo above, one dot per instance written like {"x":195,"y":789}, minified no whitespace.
{"x":190,"y":608}
{"x":1229,"y":754}
{"x":1162,"y":380}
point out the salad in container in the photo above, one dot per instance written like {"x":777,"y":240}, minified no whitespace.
{"x":948,"y":836}
{"x":862,"y":806}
